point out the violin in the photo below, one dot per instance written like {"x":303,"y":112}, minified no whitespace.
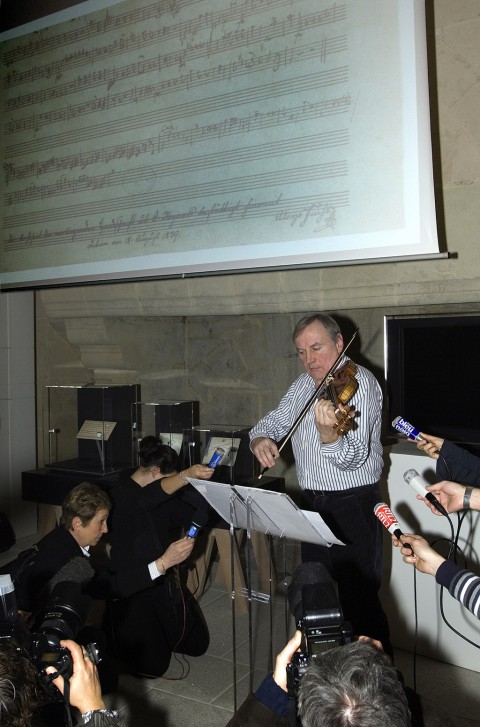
{"x":329,"y":376}
{"x":339,"y":389}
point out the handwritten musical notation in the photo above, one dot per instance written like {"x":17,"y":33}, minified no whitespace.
{"x":170,"y":135}
{"x":155,"y":126}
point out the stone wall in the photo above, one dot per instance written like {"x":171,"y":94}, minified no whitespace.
{"x":226,"y":340}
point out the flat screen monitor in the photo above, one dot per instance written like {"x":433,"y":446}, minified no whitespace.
{"x":432,"y":365}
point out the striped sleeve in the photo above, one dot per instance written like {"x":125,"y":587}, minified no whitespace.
{"x":354,"y":460}
{"x":462,"y":585}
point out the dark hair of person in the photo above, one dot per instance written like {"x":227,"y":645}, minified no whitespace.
{"x":20,"y":692}
{"x":354,"y":685}
{"x":329,"y":323}
{"x":84,"y":501}
{"x":152,"y":453}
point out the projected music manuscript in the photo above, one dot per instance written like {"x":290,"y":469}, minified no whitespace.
{"x":188,"y":131}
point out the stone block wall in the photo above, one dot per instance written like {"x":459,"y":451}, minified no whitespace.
{"x":226,"y":340}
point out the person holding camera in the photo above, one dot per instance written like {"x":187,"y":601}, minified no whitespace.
{"x":21,"y":693}
{"x":349,"y":685}
{"x":84,"y":688}
{"x":63,"y":559}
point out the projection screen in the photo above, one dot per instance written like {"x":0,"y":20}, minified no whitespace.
{"x":148,"y":139}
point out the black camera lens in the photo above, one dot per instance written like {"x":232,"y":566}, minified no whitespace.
{"x":65,"y":612}
{"x":64,"y":615}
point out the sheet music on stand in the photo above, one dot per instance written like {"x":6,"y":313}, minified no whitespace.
{"x":265,"y":511}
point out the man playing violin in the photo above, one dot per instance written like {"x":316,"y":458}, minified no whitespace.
{"x":338,"y":472}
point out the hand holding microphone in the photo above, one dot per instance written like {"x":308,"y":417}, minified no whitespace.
{"x":419,"y":484}
{"x":390,"y":522}
{"x":418,"y":553}
{"x":452,"y":496}
{"x":431,"y":445}
{"x":426,"y":442}
{"x":404,"y":427}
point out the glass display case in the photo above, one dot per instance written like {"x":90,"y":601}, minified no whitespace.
{"x":165,"y":419}
{"x":229,"y":447}
{"x":88,"y":428}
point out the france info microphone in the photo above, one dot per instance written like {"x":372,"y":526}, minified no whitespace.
{"x":388,"y":520}
{"x":402,"y":426}
{"x":418,"y":484}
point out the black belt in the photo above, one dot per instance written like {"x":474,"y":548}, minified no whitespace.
{"x":348,"y":491}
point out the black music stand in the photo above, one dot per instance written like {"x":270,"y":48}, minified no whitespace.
{"x":272,"y":513}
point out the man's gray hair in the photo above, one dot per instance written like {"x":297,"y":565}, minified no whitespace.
{"x":354,"y":685}
{"x":329,"y":323}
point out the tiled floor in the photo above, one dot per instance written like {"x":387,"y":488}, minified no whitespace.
{"x":205,"y":697}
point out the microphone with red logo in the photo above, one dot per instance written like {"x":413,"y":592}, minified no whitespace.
{"x":389,"y":521}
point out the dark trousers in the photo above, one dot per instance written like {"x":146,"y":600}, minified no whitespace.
{"x":356,"y":567}
{"x":151,"y":625}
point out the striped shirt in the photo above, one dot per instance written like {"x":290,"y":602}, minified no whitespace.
{"x":462,"y":585}
{"x":354,"y":460}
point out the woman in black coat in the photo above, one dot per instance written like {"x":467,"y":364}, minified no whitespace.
{"x":152,"y":505}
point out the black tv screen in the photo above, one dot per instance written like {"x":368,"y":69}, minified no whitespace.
{"x":432,"y":368}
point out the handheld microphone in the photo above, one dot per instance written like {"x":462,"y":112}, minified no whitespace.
{"x":192,"y":530}
{"x":402,"y":426}
{"x":201,"y":511}
{"x":216,"y":458}
{"x":418,"y":484}
{"x":389,"y":521}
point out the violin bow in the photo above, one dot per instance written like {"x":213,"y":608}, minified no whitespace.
{"x":323,"y":384}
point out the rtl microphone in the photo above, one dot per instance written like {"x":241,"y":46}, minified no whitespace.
{"x":389,"y":521}
{"x":418,"y":484}
{"x":402,"y":426}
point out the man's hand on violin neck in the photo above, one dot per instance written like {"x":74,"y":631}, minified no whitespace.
{"x":265,"y":450}
{"x":326,"y":421}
